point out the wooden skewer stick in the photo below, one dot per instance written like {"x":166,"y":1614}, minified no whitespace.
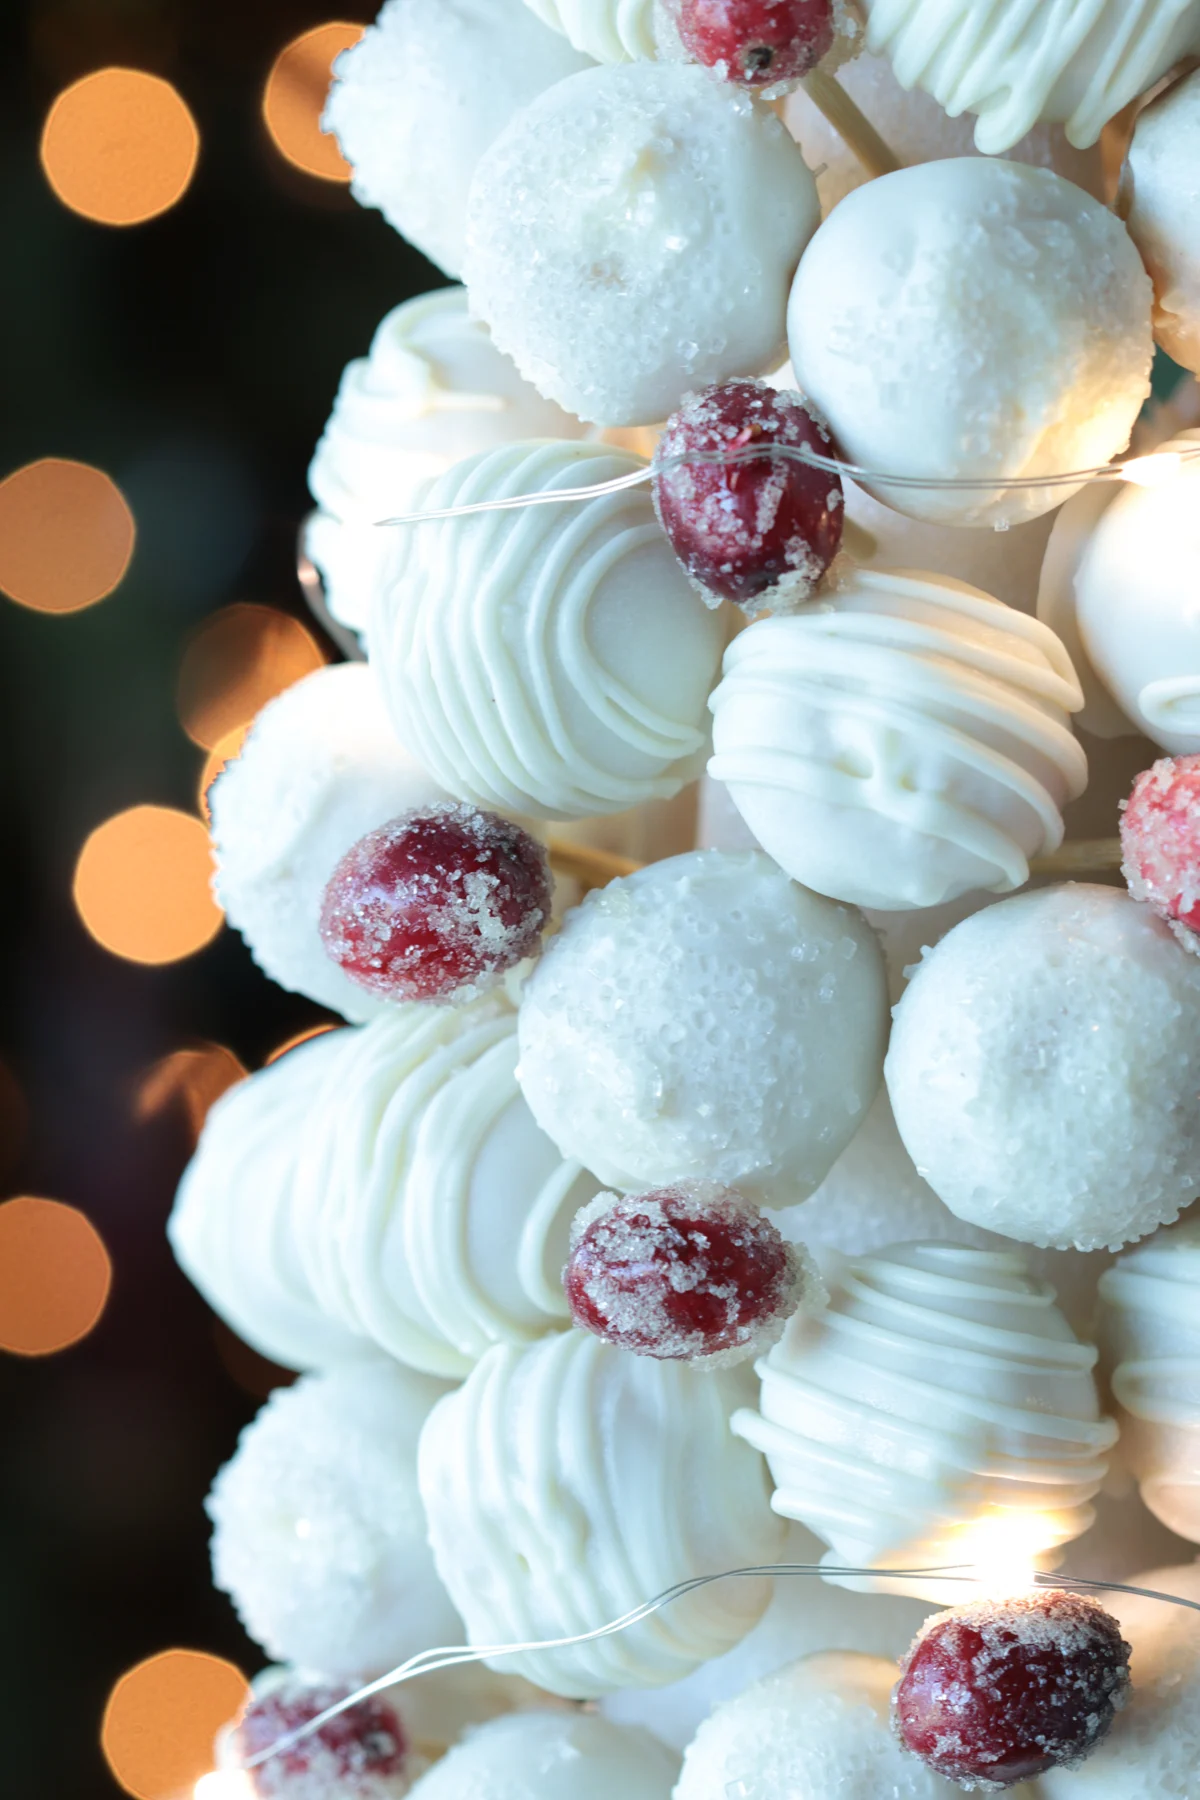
{"x":596,"y":868}
{"x":851,"y":123}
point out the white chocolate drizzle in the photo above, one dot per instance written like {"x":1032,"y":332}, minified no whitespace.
{"x":612,"y":31}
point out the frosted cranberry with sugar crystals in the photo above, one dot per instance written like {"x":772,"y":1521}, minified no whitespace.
{"x":999,"y":1691}
{"x":436,"y":905}
{"x":756,"y":43}
{"x":363,"y":1754}
{"x":760,"y":531}
{"x":1160,"y":839}
{"x":691,"y":1273}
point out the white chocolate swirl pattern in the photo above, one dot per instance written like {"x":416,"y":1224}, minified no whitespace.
{"x":567,"y":1483}
{"x":902,"y":743}
{"x":551,"y":660}
{"x":940,"y":1411}
{"x":610,"y":30}
{"x":390,"y":1190}
{"x":433,"y":389}
{"x":1150,"y":1339}
{"x":1014,"y":62}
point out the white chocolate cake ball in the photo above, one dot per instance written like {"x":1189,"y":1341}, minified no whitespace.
{"x":1077,"y":61}
{"x":806,"y":1616}
{"x":433,"y":390}
{"x":551,"y":660}
{"x":973,"y":320}
{"x":1160,"y":203}
{"x":419,"y":100}
{"x":1153,"y":1749}
{"x":568,"y":1483}
{"x":610,"y":31}
{"x":940,"y":1412}
{"x":1134,"y":601}
{"x":392,"y":1190}
{"x":1044,"y":1069}
{"x":1058,"y":603}
{"x":918,"y":130}
{"x":319,"y":1537}
{"x":632,"y":236}
{"x":553,"y":1756}
{"x":320,"y":768}
{"x":815,"y":1729}
{"x":1150,"y":1336}
{"x":903,"y":742}
{"x":706,"y":1019}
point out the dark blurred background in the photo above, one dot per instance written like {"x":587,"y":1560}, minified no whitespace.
{"x":193,"y":358}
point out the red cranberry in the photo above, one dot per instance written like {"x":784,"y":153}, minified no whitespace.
{"x":760,"y":531}
{"x":757,"y":42}
{"x":690,"y":1273}
{"x":1000,"y":1691}
{"x":360,"y":1755}
{"x":436,"y":905}
{"x":1160,"y":836}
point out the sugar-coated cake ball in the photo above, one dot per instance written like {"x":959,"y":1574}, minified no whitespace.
{"x":1149,"y":1325}
{"x":570,"y":1482}
{"x":1153,"y":1749}
{"x":806,"y":1616}
{"x":320,"y":768}
{"x":918,"y":130}
{"x":817,"y":1728}
{"x":610,"y":31}
{"x":1014,"y":65}
{"x":940,"y":1411}
{"x":1134,"y":600}
{"x":1160,"y":844}
{"x":1044,"y":1069}
{"x":1031,"y":358}
{"x":383,"y":1188}
{"x":632,"y":236}
{"x":706,"y":1019}
{"x":550,"y":660}
{"x":1160,"y":203}
{"x":902,"y":743}
{"x":432,"y":390}
{"x":553,"y":1756}
{"x":319,"y":1538}
{"x":419,"y":100}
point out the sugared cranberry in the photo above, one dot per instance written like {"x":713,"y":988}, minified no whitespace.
{"x":757,"y":42}
{"x":1000,"y":1691}
{"x":1160,"y":838}
{"x":436,"y":905}
{"x":690,"y":1273}
{"x":361,"y":1755}
{"x":760,"y":531}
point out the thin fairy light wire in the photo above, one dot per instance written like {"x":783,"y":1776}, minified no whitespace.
{"x":1134,"y":469}
{"x":429,"y":1662}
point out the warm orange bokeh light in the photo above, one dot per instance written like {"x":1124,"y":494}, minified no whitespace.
{"x":223,"y":752}
{"x":161,"y":1720}
{"x":192,"y":1080}
{"x":142,"y":885}
{"x":294,"y":99}
{"x":66,"y":535}
{"x":239,"y":659}
{"x":120,"y":146}
{"x":55,"y":1276}
{"x":294,"y":1043}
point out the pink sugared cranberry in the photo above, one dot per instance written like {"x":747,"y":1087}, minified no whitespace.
{"x":760,"y":531}
{"x":1160,"y":838}
{"x":691,"y":1273}
{"x":363,"y":1754}
{"x":437,"y":904}
{"x":999,"y":1691}
{"x":757,"y":42}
